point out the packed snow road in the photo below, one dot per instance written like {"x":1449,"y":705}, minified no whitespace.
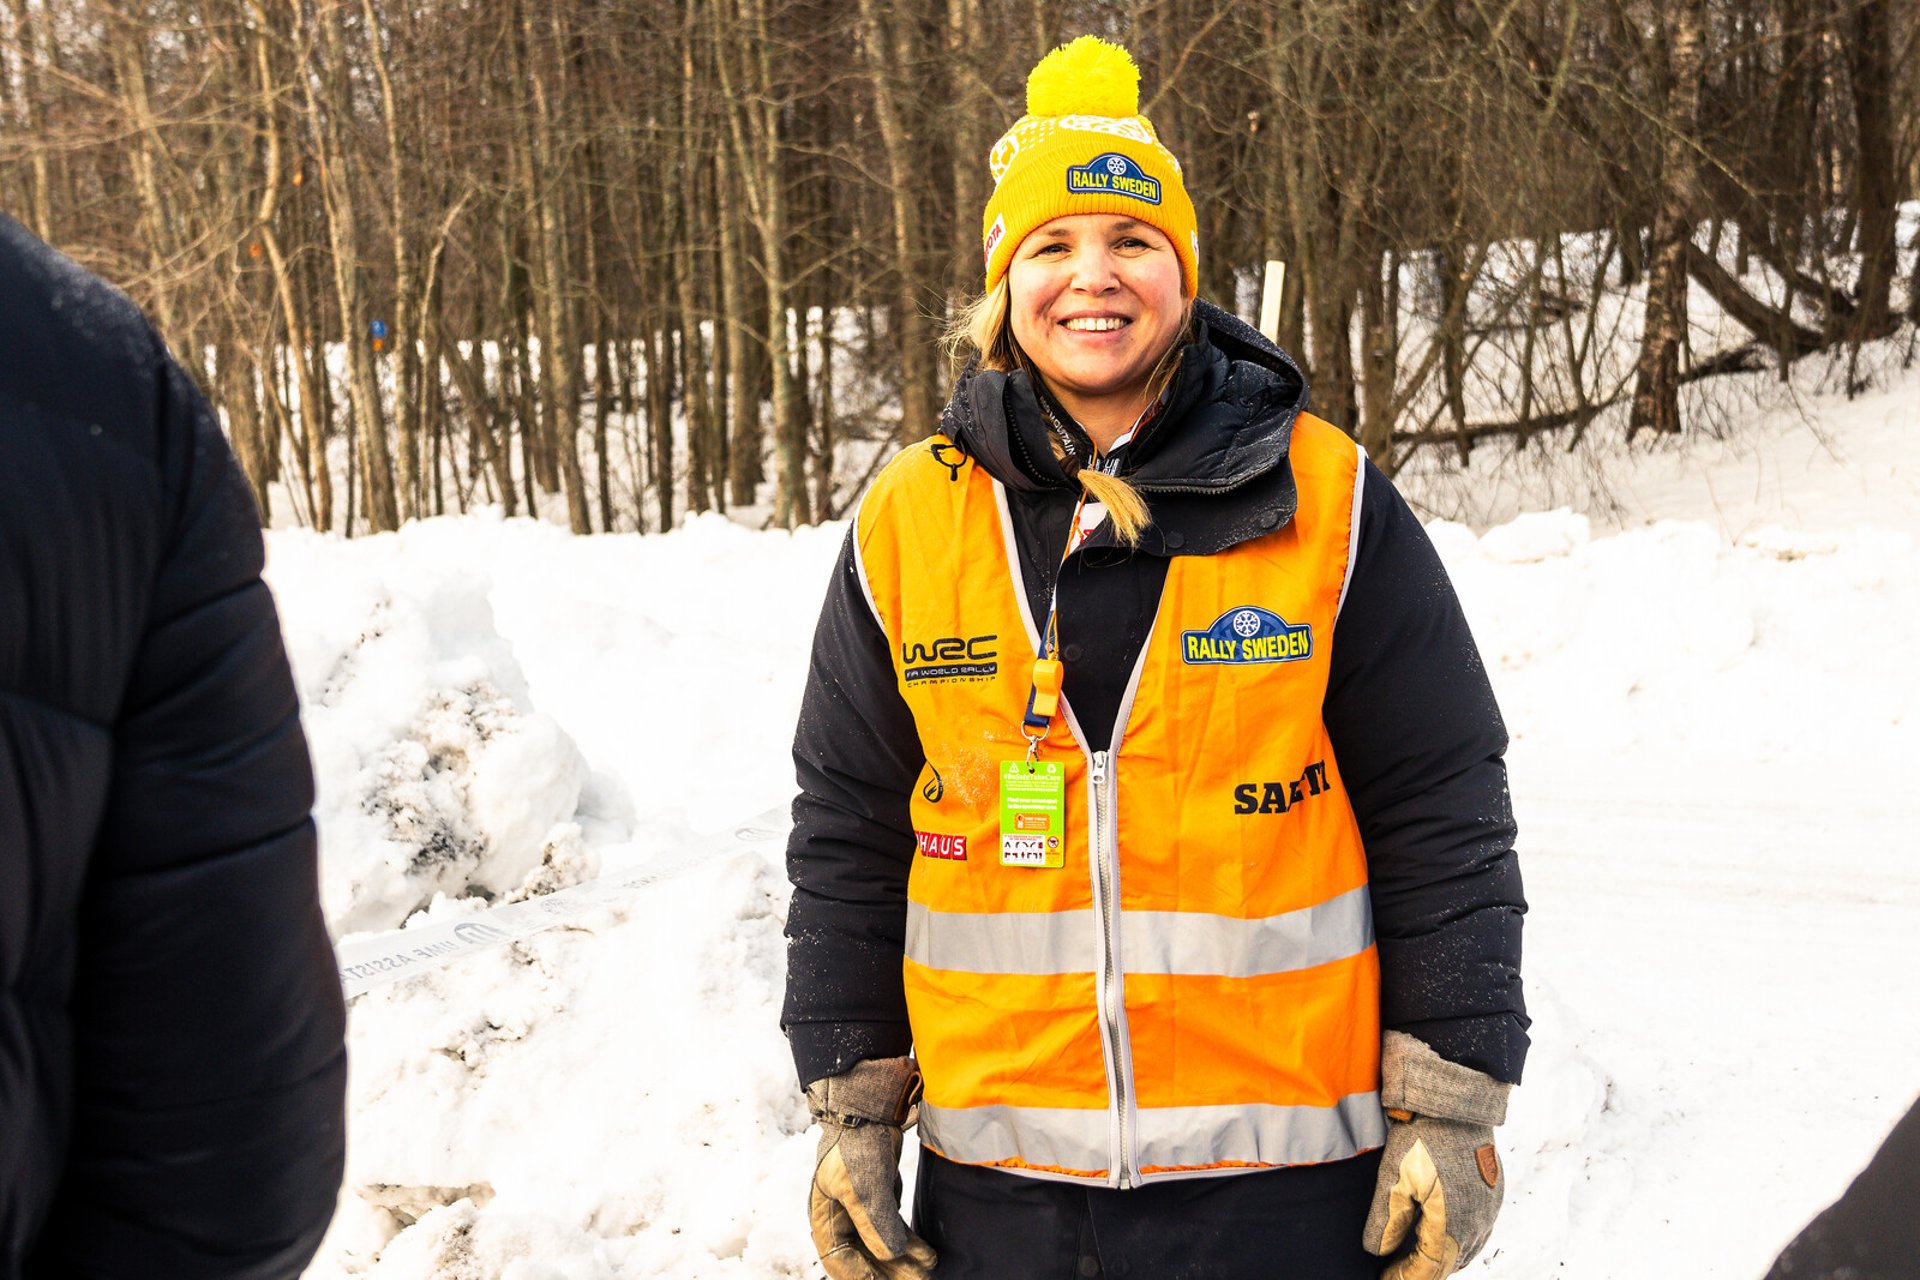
{"x":1733,"y":955}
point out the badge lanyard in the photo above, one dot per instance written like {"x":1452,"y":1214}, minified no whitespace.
{"x":1043,"y":692}
{"x":1033,"y":793}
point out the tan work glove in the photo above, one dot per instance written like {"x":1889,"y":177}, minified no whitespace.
{"x":1440,"y":1178}
{"x":855,"y":1202}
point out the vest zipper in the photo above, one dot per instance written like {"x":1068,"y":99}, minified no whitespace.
{"x":1103,"y":856}
{"x":1103,"y":859}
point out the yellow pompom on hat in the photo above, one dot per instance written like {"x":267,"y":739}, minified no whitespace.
{"x":1084,"y":147}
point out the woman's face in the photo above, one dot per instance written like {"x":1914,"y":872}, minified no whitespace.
{"x":1094,"y":299}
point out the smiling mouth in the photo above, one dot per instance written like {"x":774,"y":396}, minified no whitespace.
{"x":1095,"y":324}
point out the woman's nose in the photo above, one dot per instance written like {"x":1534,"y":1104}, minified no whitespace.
{"x":1093,"y":271}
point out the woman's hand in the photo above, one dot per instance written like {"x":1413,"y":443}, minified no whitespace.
{"x":854,"y":1205}
{"x":1440,"y":1178}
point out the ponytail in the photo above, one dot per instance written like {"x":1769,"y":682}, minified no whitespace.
{"x":1125,"y":507}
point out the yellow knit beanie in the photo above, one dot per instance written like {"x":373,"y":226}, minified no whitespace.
{"x":1084,"y":147}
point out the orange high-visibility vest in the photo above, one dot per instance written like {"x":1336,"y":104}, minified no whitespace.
{"x":1195,"y":991}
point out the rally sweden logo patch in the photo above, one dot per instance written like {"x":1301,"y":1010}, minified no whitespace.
{"x":1113,"y":174}
{"x":1247,"y":634}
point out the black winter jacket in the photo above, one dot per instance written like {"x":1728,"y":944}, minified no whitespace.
{"x":1408,"y":708}
{"x":171,"y":1061}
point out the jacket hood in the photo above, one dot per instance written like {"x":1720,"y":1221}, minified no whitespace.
{"x":1224,"y":430}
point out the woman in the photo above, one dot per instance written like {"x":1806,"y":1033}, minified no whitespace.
{"x":1151,"y":792}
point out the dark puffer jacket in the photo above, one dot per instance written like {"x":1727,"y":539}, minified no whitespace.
{"x":171,"y":1060}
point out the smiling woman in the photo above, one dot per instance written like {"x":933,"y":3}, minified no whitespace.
{"x":1095,"y":303}
{"x":1182,"y":914}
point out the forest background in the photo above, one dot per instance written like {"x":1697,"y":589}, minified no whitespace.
{"x":627,"y":259}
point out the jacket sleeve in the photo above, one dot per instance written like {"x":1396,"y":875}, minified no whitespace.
{"x":1419,"y":740}
{"x":856,"y":755}
{"x":208,"y":1136}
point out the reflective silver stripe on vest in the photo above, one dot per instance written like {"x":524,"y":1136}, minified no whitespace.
{"x":1063,"y":1137}
{"x":1256,"y":1133}
{"x":1202,"y":943}
{"x":1003,"y":941}
{"x":1158,"y":942}
{"x":1171,"y":1138}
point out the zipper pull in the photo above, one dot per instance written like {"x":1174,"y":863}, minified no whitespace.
{"x":1099,"y":768}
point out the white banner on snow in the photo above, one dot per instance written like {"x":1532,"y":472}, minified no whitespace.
{"x":373,"y":960}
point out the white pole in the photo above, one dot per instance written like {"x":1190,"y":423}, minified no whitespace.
{"x":1270,"y":292}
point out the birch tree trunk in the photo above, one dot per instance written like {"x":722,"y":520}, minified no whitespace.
{"x":1656,"y":391}
{"x":559,"y":334}
{"x":744,"y":470}
{"x":1876,"y":181}
{"x":757,"y":150}
{"x":968,"y":128}
{"x":143,"y":158}
{"x":404,"y":336}
{"x":338,"y":183}
{"x":918,"y":410}
{"x":309,"y":441}
{"x":32,"y":115}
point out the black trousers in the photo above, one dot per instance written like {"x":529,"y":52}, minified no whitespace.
{"x":1301,"y":1223}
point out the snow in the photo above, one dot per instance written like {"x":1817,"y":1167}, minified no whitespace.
{"x":1703,"y":650}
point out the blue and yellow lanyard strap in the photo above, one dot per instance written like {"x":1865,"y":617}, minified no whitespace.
{"x":1043,"y":693}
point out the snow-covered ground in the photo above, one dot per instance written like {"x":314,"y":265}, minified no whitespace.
{"x":1707,"y":669}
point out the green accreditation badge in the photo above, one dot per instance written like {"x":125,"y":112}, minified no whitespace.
{"x":1033,"y":813}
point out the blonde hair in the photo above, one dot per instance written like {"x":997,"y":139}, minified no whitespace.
{"x":983,"y":330}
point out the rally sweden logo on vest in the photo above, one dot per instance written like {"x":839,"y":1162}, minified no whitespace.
{"x":1112,"y":174}
{"x":1247,"y":634}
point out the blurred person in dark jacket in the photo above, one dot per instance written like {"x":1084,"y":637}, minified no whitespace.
{"x":1873,"y":1231}
{"x":172,"y":1068}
